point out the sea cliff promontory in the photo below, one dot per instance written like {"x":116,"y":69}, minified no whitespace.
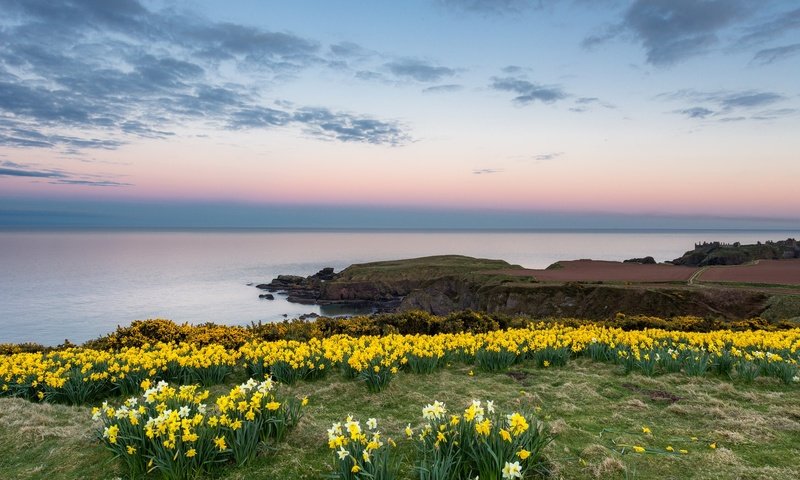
{"x":579,"y":288}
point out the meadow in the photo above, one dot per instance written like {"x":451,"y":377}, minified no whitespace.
{"x":549,"y":400}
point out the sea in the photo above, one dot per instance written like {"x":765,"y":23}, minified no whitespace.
{"x":78,"y":285}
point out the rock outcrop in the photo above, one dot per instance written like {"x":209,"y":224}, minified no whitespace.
{"x":643,"y":261}
{"x":717,"y":253}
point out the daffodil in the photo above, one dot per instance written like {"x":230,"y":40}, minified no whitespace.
{"x":512,"y":470}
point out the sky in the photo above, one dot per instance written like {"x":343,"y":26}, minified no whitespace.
{"x":420,"y":113}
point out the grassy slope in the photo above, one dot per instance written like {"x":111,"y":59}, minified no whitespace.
{"x":756,"y":427}
{"x":421,"y":269}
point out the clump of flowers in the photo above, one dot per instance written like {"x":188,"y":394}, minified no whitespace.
{"x":361,"y":452}
{"x":175,"y":432}
{"x":478,"y":442}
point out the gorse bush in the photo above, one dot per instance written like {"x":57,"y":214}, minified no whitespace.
{"x":150,"y":332}
{"x":144,"y":332}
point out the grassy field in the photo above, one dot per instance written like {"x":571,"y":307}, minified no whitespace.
{"x":591,"y":408}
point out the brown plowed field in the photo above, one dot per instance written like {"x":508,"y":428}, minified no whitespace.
{"x":779,"y":272}
{"x":604,"y":271}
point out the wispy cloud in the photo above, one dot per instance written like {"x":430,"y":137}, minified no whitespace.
{"x":492,"y":7}
{"x":696,"y":112}
{"x":585,"y":104}
{"x":722,"y":104}
{"x":449,"y":88}
{"x":528,"y":92}
{"x":17,"y":172}
{"x":770,"y":28}
{"x":56,"y":176}
{"x":487,"y":171}
{"x":90,"y":183}
{"x":544,"y":157}
{"x":537,"y":158}
{"x":419,"y":70}
{"x":771,"y":55}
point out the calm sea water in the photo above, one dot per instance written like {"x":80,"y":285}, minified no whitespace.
{"x":79,"y":285}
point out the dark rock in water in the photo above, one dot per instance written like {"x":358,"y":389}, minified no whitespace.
{"x":250,"y":284}
{"x":643,"y":261}
{"x":307,"y":316}
{"x":303,"y":290}
{"x":267,"y":296}
{"x":285,"y":315}
{"x":289,"y":279}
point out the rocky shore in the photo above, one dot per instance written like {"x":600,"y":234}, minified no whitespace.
{"x":318,"y":289}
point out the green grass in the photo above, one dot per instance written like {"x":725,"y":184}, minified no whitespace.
{"x":421,"y":269}
{"x":588,"y":406}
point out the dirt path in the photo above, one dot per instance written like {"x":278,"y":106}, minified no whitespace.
{"x":695,"y":275}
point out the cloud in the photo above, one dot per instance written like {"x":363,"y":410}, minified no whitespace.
{"x":512,"y":69}
{"x":674,"y":30}
{"x":770,"y":55}
{"x":696,"y":112}
{"x":18,"y":134}
{"x":344,"y":127}
{"x":671,"y":31}
{"x":419,"y":70}
{"x":607,"y":33}
{"x":119,"y":71}
{"x":487,"y":171}
{"x":443,"y":88}
{"x":585,"y":104}
{"x":91,"y":183}
{"x":777,"y":25}
{"x":747,"y":99}
{"x":775,"y":113}
{"x":495,"y":7}
{"x":370,"y":76}
{"x":15,"y":172}
{"x":18,"y":170}
{"x":728,"y":105}
{"x":349,"y":50}
{"x":528,"y":92}
{"x":544,"y":157}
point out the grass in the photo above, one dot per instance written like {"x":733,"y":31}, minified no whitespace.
{"x":421,"y":269}
{"x":590,"y":407}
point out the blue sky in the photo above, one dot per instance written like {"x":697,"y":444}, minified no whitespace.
{"x":510,"y":113}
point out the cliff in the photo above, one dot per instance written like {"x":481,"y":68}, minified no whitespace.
{"x":443,"y":284}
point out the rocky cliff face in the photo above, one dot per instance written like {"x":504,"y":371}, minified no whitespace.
{"x":442,"y":286}
{"x":584,"y":300}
